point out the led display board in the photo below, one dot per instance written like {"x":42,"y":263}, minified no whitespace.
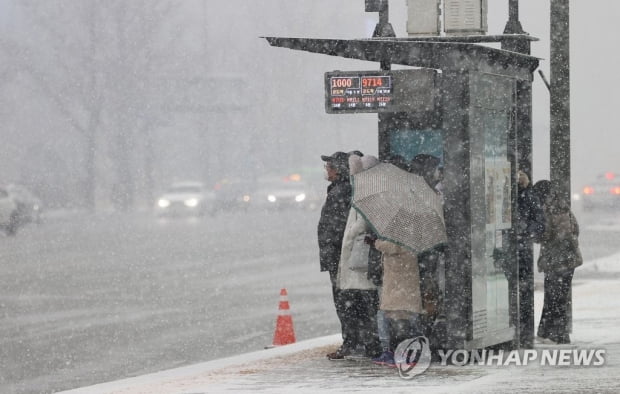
{"x":379,"y":91}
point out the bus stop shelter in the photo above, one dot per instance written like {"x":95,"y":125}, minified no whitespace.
{"x":470,"y":105}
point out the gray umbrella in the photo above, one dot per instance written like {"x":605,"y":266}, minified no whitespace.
{"x":400,"y":207}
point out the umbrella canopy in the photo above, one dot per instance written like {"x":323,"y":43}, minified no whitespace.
{"x":400,"y":207}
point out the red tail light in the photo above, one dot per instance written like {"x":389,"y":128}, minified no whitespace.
{"x":588,"y":190}
{"x":610,"y":176}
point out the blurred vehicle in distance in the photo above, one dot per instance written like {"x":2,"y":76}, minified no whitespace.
{"x":233,"y":194}
{"x":28,"y":205}
{"x":601,"y":194}
{"x":9,"y":215}
{"x":185,"y":199}
{"x":291,"y":191}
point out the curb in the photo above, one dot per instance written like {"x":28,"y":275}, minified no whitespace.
{"x":138,"y":383}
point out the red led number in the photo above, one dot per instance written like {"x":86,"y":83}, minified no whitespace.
{"x":372,"y":82}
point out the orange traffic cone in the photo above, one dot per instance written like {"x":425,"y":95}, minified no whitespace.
{"x":285,"y":333}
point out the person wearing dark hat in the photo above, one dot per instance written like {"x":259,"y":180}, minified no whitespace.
{"x":330,"y":233}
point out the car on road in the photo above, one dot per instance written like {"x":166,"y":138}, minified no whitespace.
{"x":285,"y":192}
{"x":188,"y":198}
{"x":9,"y":215}
{"x":28,"y":205}
{"x":603,"y":193}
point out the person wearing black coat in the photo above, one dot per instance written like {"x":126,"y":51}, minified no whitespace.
{"x":330,"y":231}
{"x":530,"y":228}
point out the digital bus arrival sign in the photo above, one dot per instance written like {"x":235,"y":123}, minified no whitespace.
{"x":355,"y":92}
{"x":351,"y":92}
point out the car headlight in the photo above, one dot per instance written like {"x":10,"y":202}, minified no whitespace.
{"x":271,"y":198}
{"x":191,"y":202}
{"x":300,"y":197}
{"x":246,"y":198}
{"x":163,"y":203}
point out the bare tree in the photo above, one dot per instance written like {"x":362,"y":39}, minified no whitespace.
{"x":104,"y":65}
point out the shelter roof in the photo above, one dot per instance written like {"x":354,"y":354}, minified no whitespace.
{"x":443,"y":54}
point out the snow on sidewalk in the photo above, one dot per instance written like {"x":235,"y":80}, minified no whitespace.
{"x":303,"y":368}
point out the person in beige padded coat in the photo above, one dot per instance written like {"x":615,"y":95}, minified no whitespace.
{"x":400,"y":299}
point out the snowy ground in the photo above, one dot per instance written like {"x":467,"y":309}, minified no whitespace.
{"x":86,"y":300}
{"x":303,"y":368}
{"x":89,"y":299}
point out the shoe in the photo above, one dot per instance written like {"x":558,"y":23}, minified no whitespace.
{"x":386,"y":358}
{"x":339,"y":354}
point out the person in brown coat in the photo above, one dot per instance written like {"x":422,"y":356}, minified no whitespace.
{"x":400,"y":297}
{"x":559,"y":256}
{"x":401,"y":279}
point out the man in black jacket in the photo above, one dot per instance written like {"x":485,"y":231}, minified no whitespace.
{"x":530,"y":228}
{"x":331,"y":231}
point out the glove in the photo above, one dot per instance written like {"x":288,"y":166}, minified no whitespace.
{"x":370,"y":239}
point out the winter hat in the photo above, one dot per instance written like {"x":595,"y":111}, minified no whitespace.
{"x":356,"y":152}
{"x":336,"y":158}
{"x":369,"y":161}
{"x":340,"y":161}
{"x":355,"y":164}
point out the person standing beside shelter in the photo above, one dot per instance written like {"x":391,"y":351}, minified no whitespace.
{"x":357,"y":291}
{"x":530,"y":228}
{"x":400,"y":298}
{"x":330,"y":233}
{"x":559,"y":256}
{"x":427,"y":166}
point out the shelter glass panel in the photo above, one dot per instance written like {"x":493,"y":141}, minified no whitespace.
{"x":491,"y":202}
{"x":410,"y":142}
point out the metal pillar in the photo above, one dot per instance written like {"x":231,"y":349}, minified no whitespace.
{"x":560,"y":99}
{"x":560,"y":108}
{"x":383,"y":29}
{"x":520,"y":43}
